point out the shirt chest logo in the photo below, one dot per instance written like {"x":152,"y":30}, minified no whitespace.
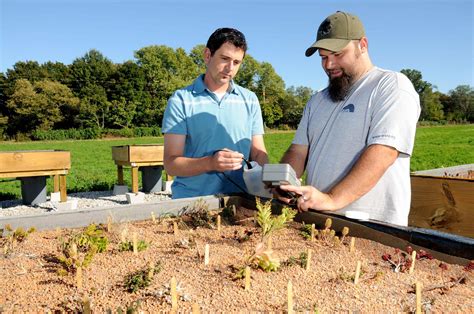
{"x":348,"y":108}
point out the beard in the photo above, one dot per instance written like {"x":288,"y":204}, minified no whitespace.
{"x":340,"y":86}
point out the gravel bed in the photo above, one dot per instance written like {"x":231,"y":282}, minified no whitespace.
{"x":85,"y":200}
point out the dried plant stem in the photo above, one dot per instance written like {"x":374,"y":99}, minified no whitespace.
{"x":308,"y":259}
{"x":151,"y":270}
{"x":153,"y":218}
{"x":313,"y":228}
{"x":218,"y":222}
{"x":418,"y":288}
{"x":413,"y":259}
{"x":175,"y":228}
{"x":247,"y":278}
{"x":290,"y":297}
{"x":79,"y":277}
{"x":174,"y":294}
{"x":196,"y":309}
{"x":352,"y":245}
{"x":357,"y":273}
{"x":135,"y":243}
{"x":109,"y":223}
{"x":206,"y":254}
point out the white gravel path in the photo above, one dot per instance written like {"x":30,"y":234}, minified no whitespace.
{"x":85,"y":200}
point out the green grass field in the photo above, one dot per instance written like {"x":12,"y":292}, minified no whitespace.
{"x":94,"y":169}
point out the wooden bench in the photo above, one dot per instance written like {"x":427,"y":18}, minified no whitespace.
{"x":37,"y":163}
{"x":136,"y":156}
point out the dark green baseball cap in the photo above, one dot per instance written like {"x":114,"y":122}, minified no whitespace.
{"x":336,"y":31}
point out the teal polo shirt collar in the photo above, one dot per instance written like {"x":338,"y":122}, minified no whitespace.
{"x":199,"y":86}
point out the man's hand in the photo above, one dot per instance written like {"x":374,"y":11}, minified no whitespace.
{"x":307,"y":197}
{"x":226,"y":160}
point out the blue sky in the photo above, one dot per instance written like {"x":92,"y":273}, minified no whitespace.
{"x":434,"y":37}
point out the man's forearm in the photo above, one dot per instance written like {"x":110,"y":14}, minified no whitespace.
{"x":365,"y":174}
{"x":261,"y":158}
{"x":186,"y":167}
{"x":296,"y":157}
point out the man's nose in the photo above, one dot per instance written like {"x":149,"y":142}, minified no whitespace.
{"x":328,"y":63}
{"x":230,"y":65}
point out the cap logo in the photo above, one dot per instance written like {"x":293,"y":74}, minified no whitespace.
{"x":325,"y":28}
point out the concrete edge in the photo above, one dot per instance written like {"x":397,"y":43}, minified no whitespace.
{"x":119,"y":214}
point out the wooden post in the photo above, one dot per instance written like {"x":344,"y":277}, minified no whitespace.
{"x":247,"y":278}
{"x":218,"y":222}
{"x":62,"y":188}
{"x":134,"y":179}
{"x":174,"y":294}
{"x":135,"y":243}
{"x":206,"y":254}
{"x":357,"y":274}
{"x":308,"y":259}
{"x":351,"y":247}
{"x":418,"y":287}
{"x":56,"y":183}
{"x":120,"y":175}
{"x":413,"y":259}
{"x":290,"y":297}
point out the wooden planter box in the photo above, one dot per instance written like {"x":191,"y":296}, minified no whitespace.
{"x":443,"y":199}
{"x":136,"y":156}
{"x":35,"y":163}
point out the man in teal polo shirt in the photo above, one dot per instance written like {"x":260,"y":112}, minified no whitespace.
{"x":212,"y":124}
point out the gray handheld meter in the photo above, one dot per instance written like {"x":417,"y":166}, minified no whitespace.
{"x":275,"y":175}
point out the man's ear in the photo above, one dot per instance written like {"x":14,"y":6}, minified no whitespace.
{"x":207,"y":55}
{"x":363,"y":44}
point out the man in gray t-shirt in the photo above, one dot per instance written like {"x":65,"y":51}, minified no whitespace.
{"x":356,"y":136}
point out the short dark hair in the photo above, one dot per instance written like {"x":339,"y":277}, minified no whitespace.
{"x":226,"y":35}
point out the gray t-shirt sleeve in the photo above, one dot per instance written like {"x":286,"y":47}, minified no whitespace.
{"x":301,"y":135}
{"x":394,"y":115}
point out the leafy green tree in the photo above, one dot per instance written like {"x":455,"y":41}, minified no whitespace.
{"x":293,"y":105}
{"x":91,"y":82}
{"x":248,"y":73}
{"x":28,"y":70}
{"x":416,"y":79}
{"x":3,"y":106}
{"x":91,"y":69}
{"x":197,"y":55}
{"x":271,"y":92}
{"x":462,"y":99}
{"x":165,"y":70}
{"x":129,"y":95}
{"x":39,"y":106}
{"x":122,"y":113}
{"x":432,"y":109}
{"x":56,"y":71}
{"x":94,"y":107}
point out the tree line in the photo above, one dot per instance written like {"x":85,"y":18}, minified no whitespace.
{"x":94,"y":93}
